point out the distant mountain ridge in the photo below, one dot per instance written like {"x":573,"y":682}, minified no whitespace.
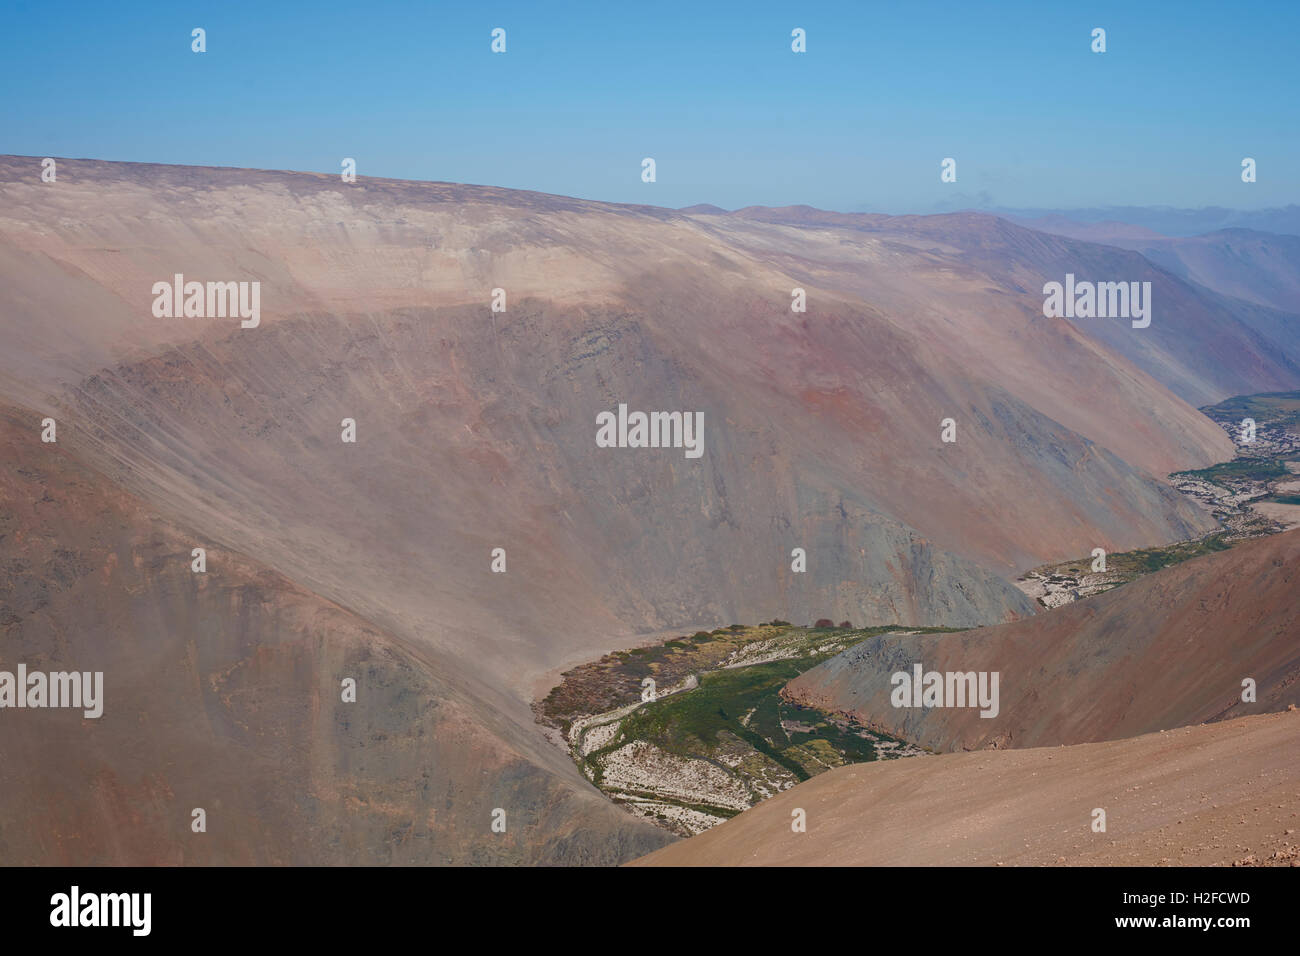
{"x":1168,"y":220}
{"x":1258,"y":267}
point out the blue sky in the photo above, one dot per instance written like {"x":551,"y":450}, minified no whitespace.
{"x":713,"y":92}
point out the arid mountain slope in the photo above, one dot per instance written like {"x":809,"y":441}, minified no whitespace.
{"x":222,"y":691}
{"x":1167,"y":650}
{"x":1212,"y":795}
{"x":631,"y":304}
{"x":1203,"y":345}
{"x":476,"y":429}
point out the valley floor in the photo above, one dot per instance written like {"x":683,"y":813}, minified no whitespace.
{"x":716,"y":738}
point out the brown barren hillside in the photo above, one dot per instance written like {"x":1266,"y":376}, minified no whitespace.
{"x":475,"y":430}
{"x":1169,"y":649}
{"x":1213,"y":795}
{"x":222,"y":692}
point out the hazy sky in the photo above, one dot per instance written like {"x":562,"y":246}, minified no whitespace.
{"x":713,"y":92}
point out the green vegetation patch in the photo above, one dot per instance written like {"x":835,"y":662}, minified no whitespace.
{"x":688,"y":724}
{"x":746,"y":703}
{"x":1240,"y":469}
{"x":1272,"y":408}
{"x":1132,"y":564}
{"x":1146,"y":560}
{"x":615,"y":680}
{"x":735,"y":718}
